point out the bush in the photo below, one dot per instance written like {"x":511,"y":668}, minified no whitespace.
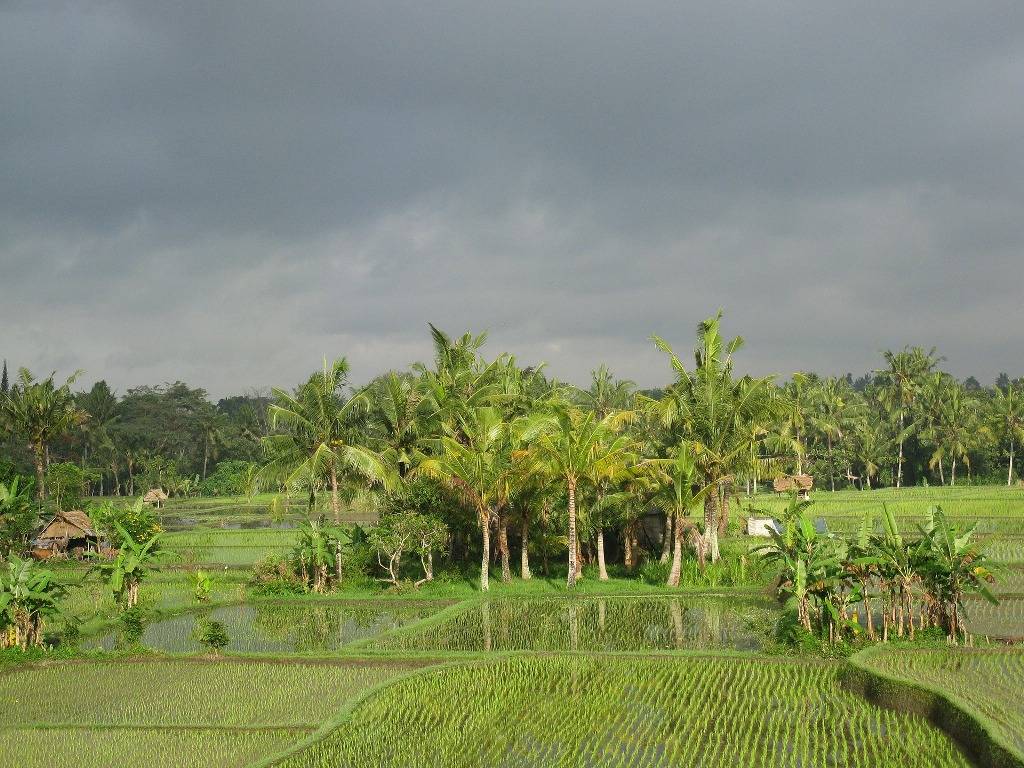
{"x":202,"y":586}
{"x":131,"y":626}
{"x":210,"y":634}
{"x":655,"y":572}
{"x":137,"y":518}
{"x":230,"y":478}
{"x":275,"y":576}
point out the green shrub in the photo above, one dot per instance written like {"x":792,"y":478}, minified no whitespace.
{"x":275,"y":575}
{"x":210,"y":634}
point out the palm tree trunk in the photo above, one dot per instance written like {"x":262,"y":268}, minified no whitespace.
{"x":942,"y":472}
{"x":206,"y":455}
{"x":952,"y":473}
{"x":666,"y":538}
{"x":485,"y":527}
{"x":1009,"y":473}
{"x":524,"y":550}
{"x":677,"y":554}
{"x":39,"y":459}
{"x":831,"y":466}
{"x":571,"y":579}
{"x":335,"y":502}
{"x":899,"y":463}
{"x":506,"y":570}
{"x":602,"y":571}
{"x":711,"y":525}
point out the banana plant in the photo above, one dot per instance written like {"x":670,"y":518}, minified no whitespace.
{"x":134,"y":560}
{"x":28,"y":595}
{"x":954,"y":567}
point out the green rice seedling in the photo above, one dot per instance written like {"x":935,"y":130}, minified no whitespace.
{"x":1005,"y":620}
{"x":984,"y":682}
{"x":616,"y":711}
{"x":75,"y":747}
{"x":182,"y":693}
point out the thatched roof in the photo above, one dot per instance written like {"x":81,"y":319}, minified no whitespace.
{"x":790,"y":483}
{"x":74,"y":524}
{"x":154,"y":495}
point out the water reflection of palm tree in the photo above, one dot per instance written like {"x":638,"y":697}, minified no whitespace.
{"x":677,"y":621}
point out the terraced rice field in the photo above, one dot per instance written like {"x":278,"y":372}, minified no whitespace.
{"x":284,"y":627}
{"x":995,"y":510}
{"x":1004,"y":621}
{"x":170,"y":713}
{"x":551,"y":711}
{"x":589,"y":624}
{"x":987,"y":683}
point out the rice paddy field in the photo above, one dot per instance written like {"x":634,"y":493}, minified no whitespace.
{"x":588,"y":624}
{"x":170,"y":713}
{"x":282,"y":627}
{"x":987,"y":683}
{"x":545,"y":711}
{"x":622,"y":673}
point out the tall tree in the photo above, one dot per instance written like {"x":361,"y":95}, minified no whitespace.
{"x":40,"y":412}
{"x":317,"y":440}
{"x":1007,"y":415}
{"x":679,"y":475}
{"x":574,"y":445}
{"x":901,"y":381}
{"x":475,"y":459}
{"x":721,"y":417}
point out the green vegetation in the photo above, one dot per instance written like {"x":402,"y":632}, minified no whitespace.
{"x":609,"y":711}
{"x":985,"y":682}
{"x":590,"y":624}
{"x":180,"y":709}
{"x":323,"y":544}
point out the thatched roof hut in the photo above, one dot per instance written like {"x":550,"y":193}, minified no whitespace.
{"x":802,"y":484}
{"x":155,"y":496}
{"x":67,"y":533}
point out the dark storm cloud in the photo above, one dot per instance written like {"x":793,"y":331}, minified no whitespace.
{"x":223,"y":192}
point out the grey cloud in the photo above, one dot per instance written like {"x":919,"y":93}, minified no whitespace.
{"x":224,"y":192}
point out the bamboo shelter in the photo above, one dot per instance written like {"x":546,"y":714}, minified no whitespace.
{"x":155,"y":496}
{"x":802,"y":484}
{"x":67,"y":534}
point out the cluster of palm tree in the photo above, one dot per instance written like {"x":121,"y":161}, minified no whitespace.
{"x":518,"y":450}
{"x":40,"y":412}
{"x":854,"y":434}
{"x":914,"y":581}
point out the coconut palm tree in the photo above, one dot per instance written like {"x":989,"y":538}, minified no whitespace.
{"x":475,"y":459}
{"x":575,"y":446}
{"x":680,"y":478}
{"x":719,"y":416}
{"x":958,"y":430}
{"x":317,"y":438}
{"x":798,"y":397}
{"x":396,"y":418}
{"x":1007,"y":417}
{"x":901,"y":384}
{"x":829,"y":404}
{"x":40,"y":412}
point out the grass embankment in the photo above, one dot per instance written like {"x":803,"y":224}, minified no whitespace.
{"x":973,"y":694}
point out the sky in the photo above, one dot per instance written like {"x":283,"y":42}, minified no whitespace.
{"x":224,"y":193}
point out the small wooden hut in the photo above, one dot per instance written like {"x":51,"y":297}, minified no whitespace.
{"x":155,"y":496}
{"x":67,"y":534}
{"x":802,"y":484}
